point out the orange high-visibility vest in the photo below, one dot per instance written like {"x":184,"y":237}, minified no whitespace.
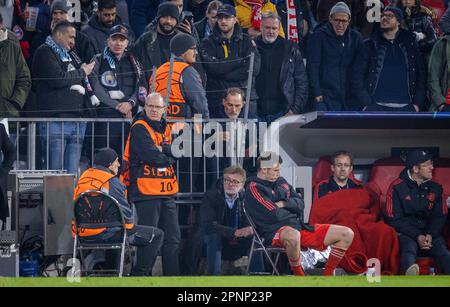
{"x":150,"y":180}
{"x":177,"y":104}
{"x":93,"y":179}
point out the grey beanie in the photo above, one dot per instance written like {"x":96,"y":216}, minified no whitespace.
{"x":340,"y":7}
{"x":60,"y":5}
{"x":181,"y":43}
{"x":105,"y":157}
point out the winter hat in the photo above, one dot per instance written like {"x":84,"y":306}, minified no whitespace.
{"x":397,"y":12}
{"x":340,"y":7}
{"x":168,"y":9}
{"x":60,"y":5}
{"x":105,"y":157}
{"x":181,"y":43}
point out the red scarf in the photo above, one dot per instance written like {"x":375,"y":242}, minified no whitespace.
{"x":256,"y":6}
{"x":448,"y":98}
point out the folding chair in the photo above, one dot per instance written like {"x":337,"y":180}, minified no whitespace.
{"x":98,"y":210}
{"x":258,"y":246}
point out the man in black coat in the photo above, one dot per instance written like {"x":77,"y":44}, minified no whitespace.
{"x":226,"y":57}
{"x":227,"y":231}
{"x":414,"y":208}
{"x":7,"y":156}
{"x":282,"y":83}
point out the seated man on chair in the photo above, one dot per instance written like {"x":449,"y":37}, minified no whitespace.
{"x":103,"y":177}
{"x":342,"y":167}
{"x":414,"y":208}
{"x":277,"y":211}
{"x":227,"y":231}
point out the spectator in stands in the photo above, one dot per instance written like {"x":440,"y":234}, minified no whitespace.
{"x":331,"y":51}
{"x":438,"y":76}
{"x":418,"y":19}
{"x":14,"y":74}
{"x":295,"y":20}
{"x":226,"y":54}
{"x":342,"y":168}
{"x":83,"y":44}
{"x":415,"y":209}
{"x":142,"y":12}
{"x":228,"y":235}
{"x":198,"y":8}
{"x":103,"y":176}
{"x":282,"y":83}
{"x":249,"y":13}
{"x":277,"y":211}
{"x":100,"y":24}
{"x":7,"y":157}
{"x":390,"y":73}
{"x":206,"y":25}
{"x":152,"y":48}
{"x":186,"y":23}
{"x":444,"y":23}
{"x":357,"y":9}
{"x":60,"y":92}
{"x":151,"y":178}
{"x":187,"y":95}
{"x":115,"y":81}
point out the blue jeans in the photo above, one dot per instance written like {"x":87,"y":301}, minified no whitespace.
{"x":215,"y":247}
{"x":64,"y":148}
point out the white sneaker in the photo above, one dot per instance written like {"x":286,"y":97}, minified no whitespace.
{"x":413,"y":270}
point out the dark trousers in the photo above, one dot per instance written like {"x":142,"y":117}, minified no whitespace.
{"x":148,"y":241}
{"x":409,"y":249}
{"x":163,"y":213}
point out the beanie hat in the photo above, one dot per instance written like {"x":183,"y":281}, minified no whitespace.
{"x":168,"y":9}
{"x":181,"y":43}
{"x":397,"y":12}
{"x":340,"y":7}
{"x":105,"y":157}
{"x":60,"y":5}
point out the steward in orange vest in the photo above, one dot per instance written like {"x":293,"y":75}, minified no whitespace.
{"x":187,"y":94}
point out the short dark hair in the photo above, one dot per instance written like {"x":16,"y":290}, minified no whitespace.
{"x":62,"y":27}
{"x":267,"y":157}
{"x":106,"y":4}
{"x":341,"y":153}
{"x":234,"y":91}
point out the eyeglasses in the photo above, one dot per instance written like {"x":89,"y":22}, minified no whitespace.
{"x":151,"y":106}
{"x":342,"y":21}
{"x":387,"y":16}
{"x":232,"y":182}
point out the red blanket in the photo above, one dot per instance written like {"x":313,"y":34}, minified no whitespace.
{"x":373,"y":238}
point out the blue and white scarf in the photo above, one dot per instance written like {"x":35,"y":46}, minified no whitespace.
{"x":60,"y":51}
{"x":110,"y":58}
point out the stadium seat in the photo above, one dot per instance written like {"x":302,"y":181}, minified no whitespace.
{"x":384,"y":172}
{"x":441,"y":174}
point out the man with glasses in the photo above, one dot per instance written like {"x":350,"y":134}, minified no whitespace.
{"x":150,"y":177}
{"x":342,"y":167}
{"x":390,"y":73}
{"x":227,"y":231}
{"x":331,"y":51}
{"x":415,"y":209}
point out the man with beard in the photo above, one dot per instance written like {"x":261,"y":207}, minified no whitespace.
{"x":100,"y":24}
{"x":226,"y":56}
{"x":153,"y":47}
{"x":390,"y":72}
{"x":342,"y":167}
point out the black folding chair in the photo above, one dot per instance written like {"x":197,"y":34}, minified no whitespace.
{"x":258,"y":246}
{"x":98,"y":210}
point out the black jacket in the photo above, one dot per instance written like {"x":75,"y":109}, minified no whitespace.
{"x":52,"y":81}
{"x":329,"y":62}
{"x":419,"y":20}
{"x":369,"y":63}
{"x":212,"y":212}
{"x":9,"y":156}
{"x":328,"y":186}
{"x":231,"y":70}
{"x":415,"y":210}
{"x":143,"y":150}
{"x":260,"y":199}
{"x":293,"y":77}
